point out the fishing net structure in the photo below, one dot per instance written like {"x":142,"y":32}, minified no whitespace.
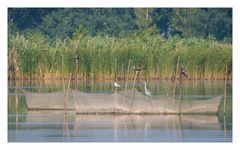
{"x":129,"y":101}
{"x":48,"y":101}
{"x":135,"y":102}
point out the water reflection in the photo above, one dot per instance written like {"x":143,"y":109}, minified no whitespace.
{"x":55,"y":126}
{"x":50,"y":126}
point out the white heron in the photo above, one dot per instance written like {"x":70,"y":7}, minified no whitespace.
{"x":116,"y":85}
{"x":147,"y":92}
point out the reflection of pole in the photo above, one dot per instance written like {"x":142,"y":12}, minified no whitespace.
{"x":65,"y":127}
{"x":115,"y":129}
{"x":129,"y":62}
{"x":225,"y":126}
{"x":16,"y":128}
{"x":67,"y":94}
{"x":16,"y":106}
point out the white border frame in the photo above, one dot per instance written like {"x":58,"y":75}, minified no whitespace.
{"x":5,"y":4}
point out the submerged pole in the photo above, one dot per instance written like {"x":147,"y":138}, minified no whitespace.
{"x":67,"y":94}
{"x":129,"y":63}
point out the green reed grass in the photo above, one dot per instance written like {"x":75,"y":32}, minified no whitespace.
{"x":39,"y":56}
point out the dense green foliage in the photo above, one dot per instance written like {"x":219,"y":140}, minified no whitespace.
{"x":189,"y":22}
{"x":37,"y":55}
{"x":44,"y":41}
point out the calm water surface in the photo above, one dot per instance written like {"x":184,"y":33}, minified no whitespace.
{"x":55,"y":126}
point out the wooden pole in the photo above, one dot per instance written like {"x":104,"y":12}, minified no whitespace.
{"x":175,"y":79}
{"x":76,"y":76}
{"x":67,"y":94}
{"x":181,"y":90}
{"x":129,"y":63}
{"x":115,"y":67}
{"x":158,"y":74}
{"x":225,"y":92}
{"x":115,"y":76}
{"x":135,"y":77}
{"x":63,"y":83}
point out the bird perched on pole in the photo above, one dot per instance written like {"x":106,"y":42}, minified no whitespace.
{"x":138,"y":69}
{"x":146,"y":92}
{"x":183,"y":73}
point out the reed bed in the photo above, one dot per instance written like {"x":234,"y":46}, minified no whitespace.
{"x":36,"y":56}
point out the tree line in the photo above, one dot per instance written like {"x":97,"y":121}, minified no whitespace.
{"x":64,"y":22}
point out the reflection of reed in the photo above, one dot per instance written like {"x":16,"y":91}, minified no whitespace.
{"x":66,"y":132}
{"x":52,"y":119}
{"x":140,"y":128}
{"x":17,"y":109}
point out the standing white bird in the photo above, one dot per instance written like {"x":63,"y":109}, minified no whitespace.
{"x":147,"y":92}
{"x":116,"y":85}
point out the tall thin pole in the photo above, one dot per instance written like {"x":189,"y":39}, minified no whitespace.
{"x":76,"y":61}
{"x":129,"y":63}
{"x":66,"y":98}
{"x":225,"y":92}
{"x":63,"y":84}
{"x":158,"y":74}
{"x":135,"y":77}
{"x":115,"y":67}
{"x":115,"y":76}
{"x":175,"y":81}
{"x":76,"y":76}
{"x":181,"y":90}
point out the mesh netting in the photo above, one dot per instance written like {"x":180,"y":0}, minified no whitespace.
{"x":136,"y":102}
{"x":120,"y":102}
{"x":48,"y":101}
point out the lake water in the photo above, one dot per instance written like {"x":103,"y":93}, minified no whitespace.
{"x":55,"y":126}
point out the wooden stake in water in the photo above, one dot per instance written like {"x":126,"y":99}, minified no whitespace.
{"x":115,"y":67}
{"x":77,"y":76}
{"x":225,"y":92}
{"x":134,"y":81}
{"x":67,"y":94}
{"x":175,"y":80}
{"x":129,"y":63}
{"x":63,"y":83}
{"x":181,"y":90}
{"x":77,"y":60}
{"x":115,"y":74}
